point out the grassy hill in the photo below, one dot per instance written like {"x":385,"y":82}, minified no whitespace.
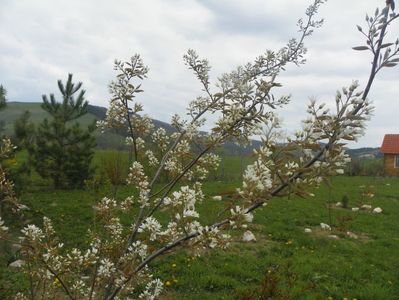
{"x":107,"y":140}
{"x":15,"y":109}
{"x":111,"y":140}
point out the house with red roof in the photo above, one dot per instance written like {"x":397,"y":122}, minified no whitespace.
{"x":390,"y":149}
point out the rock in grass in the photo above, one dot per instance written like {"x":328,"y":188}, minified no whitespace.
{"x":338,"y":204}
{"x":15,"y":247}
{"x":248,"y":236}
{"x":352,"y":235}
{"x":355,"y":208}
{"x":217,"y":198}
{"x":366,"y":207}
{"x":377,"y":210}
{"x":333,"y":236}
{"x":325,"y":226}
{"x":17,"y":264}
{"x":308,"y":230}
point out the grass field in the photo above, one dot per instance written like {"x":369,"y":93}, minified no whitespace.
{"x":284,"y":262}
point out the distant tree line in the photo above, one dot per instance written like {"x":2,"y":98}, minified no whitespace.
{"x":365,"y":167}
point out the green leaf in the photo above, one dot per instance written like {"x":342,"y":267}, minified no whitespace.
{"x":360,"y":48}
{"x":386,"y":45}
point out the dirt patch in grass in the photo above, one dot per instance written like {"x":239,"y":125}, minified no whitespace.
{"x":355,"y":236}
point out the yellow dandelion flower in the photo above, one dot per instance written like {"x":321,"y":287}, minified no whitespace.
{"x":56,"y":282}
{"x":168,"y":283}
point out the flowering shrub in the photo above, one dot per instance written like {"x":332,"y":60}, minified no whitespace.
{"x":8,"y":197}
{"x":116,"y":263}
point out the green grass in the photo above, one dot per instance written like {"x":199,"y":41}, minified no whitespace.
{"x":309,"y":266}
{"x":302,"y":266}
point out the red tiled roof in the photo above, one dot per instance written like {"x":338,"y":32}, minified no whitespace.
{"x":390,"y":144}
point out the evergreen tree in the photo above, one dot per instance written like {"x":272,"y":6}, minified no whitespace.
{"x":24,"y":130}
{"x":3,"y":94}
{"x":3,"y":104}
{"x":63,"y":150}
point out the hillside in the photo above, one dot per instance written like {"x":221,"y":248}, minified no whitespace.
{"x":116,"y":141}
{"x":16,"y":109}
{"x":104,"y":141}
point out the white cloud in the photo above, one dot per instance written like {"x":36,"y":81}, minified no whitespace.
{"x":41,"y":41}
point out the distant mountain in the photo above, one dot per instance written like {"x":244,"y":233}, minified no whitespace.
{"x":115,"y":140}
{"x":365,"y":153}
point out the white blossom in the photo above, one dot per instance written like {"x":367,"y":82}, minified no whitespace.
{"x":152,"y":226}
{"x":106,"y":268}
{"x":139,"y":248}
{"x":152,"y":290}
{"x":2,"y":227}
{"x":33,"y":233}
{"x":152,"y":160}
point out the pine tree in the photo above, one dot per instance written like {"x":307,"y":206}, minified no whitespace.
{"x":3,"y":104}
{"x":24,"y":130}
{"x":3,"y":94}
{"x":63,"y":150}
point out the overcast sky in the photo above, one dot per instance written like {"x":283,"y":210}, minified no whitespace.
{"x":42,"y":41}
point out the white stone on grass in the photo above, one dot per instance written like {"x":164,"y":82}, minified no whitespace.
{"x":325,"y":226}
{"x":377,"y":210}
{"x":355,"y":208}
{"x":352,"y":235}
{"x":17,"y":264}
{"x":367,"y":207}
{"x":338,"y":204}
{"x":308,"y":230}
{"x":248,"y":236}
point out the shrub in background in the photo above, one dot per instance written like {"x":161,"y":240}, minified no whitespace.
{"x":345,"y":201}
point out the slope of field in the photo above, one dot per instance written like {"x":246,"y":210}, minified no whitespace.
{"x":112,"y":140}
{"x":15,"y":109}
{"x":107,"y":140}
